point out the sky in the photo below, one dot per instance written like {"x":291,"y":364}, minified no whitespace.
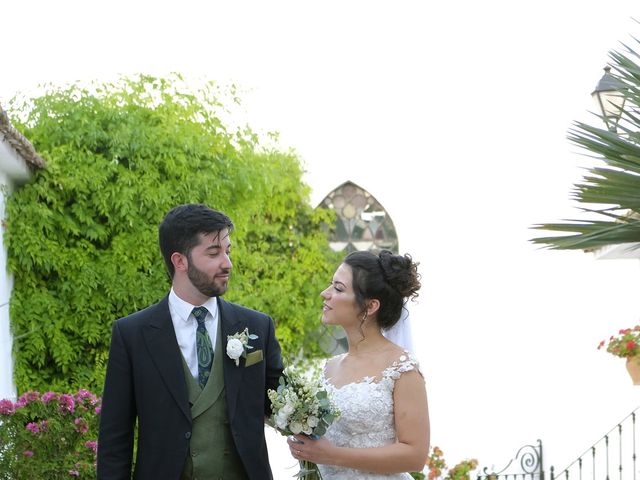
{"x":454,"y":115}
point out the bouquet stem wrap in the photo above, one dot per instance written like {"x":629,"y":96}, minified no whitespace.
{"x":308,"y":471}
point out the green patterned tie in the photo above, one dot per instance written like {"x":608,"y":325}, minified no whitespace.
{"x":203,"y":346}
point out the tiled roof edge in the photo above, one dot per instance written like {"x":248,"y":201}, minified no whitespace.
{"x":23,"y":147}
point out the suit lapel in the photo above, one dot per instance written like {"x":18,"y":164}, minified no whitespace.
{"x":161,"y":342}
{"x":230,"y":325}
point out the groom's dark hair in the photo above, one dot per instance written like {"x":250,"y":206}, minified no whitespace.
{"x":181,"y":227}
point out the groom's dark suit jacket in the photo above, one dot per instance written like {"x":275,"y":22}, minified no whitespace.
{"x":145,"y":382}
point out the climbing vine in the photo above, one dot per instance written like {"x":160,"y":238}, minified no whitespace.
{"x":82,"y":235}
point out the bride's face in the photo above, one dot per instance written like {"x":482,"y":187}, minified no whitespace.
{"x":340,"y":307}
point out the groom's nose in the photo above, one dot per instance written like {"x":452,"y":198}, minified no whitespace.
{"x":226,"y":262}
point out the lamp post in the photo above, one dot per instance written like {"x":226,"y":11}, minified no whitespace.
{"x":610,"y":99}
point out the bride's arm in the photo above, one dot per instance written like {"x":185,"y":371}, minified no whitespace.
{"x":408,"y":454}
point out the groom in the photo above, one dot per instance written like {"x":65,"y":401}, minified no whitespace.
{"x":199,"y":414}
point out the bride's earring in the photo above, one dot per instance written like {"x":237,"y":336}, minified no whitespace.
{"x":365,"y":315}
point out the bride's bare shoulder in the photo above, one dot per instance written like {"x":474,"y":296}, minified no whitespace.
{"x":331,"y":364}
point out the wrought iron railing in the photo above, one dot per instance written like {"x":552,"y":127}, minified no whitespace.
{"x":525,"y":465}
{"x":612,"y":457}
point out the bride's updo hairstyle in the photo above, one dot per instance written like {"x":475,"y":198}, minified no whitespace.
{"x":389,"y":278}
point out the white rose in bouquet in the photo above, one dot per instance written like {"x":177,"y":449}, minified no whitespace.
{"x":295,"y":427}
{"x":312,"y":421}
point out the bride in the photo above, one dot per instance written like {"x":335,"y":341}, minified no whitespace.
{"x":383,"y":428}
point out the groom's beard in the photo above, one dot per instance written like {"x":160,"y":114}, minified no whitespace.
{"x":205,"y":285}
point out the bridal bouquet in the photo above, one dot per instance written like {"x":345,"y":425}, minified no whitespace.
{"x":301,"y":405}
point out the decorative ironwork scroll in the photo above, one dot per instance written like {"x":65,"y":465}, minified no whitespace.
{"x":526,"y":465}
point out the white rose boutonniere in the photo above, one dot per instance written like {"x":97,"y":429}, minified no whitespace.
{"x":238,"y":345}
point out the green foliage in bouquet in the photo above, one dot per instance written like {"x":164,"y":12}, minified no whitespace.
{"x":300,"y":404}
{"x":50,"y":436}
{"x":82,"y":235}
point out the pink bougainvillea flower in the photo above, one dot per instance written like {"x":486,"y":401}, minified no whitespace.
{"x":47,"y":397}
{"x":33,"y":427}
{"x":67,"y":403}
{"x":7,"y":407}
{"x":86,"y":395}
{"x":81,"y":425}
{"x":26,"y":398}
{"x":92,"y":445}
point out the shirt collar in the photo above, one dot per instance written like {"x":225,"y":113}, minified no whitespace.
{"x":183,"y":309}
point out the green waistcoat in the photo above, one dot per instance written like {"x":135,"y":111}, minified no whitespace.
{"x":212,"y":453}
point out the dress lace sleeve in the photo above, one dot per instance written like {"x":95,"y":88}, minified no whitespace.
{"x":405,"y":363}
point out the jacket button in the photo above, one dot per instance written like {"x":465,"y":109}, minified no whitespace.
{"x":187,"y":435}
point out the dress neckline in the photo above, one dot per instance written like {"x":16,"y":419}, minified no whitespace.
{"x":404,"y":357}
{"x":368,"y":380}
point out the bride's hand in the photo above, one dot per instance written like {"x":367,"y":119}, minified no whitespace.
{"x":310,"y":449}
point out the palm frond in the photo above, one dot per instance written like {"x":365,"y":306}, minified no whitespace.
{"x":589,"y":234}
{"x":614,"y":185}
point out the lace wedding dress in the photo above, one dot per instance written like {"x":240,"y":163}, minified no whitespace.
{"x":366,"y":418}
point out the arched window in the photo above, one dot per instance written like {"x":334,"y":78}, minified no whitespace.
{"x":361,"y":222}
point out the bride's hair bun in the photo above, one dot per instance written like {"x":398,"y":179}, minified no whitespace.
{"x":388,"y":277}
{"x":401,"y":272}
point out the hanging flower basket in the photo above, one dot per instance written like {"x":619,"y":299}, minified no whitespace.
{"x":633,"y":367}
{"x":626,"y":345}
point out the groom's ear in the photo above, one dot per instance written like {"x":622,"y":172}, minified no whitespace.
{"x":179,"y":261}
{"x":373,"y":305}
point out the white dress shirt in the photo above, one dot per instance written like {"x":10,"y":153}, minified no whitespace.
{"x":185,"y":324}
